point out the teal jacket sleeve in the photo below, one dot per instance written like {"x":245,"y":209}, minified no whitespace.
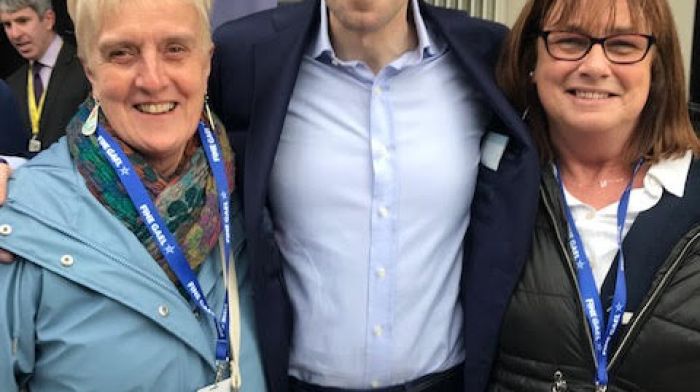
{"x":20,"y":293}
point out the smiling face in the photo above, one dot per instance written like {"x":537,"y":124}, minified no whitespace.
{"x":592,"y":94}
{"x":148,"y":69}
{"x":28,"y":32}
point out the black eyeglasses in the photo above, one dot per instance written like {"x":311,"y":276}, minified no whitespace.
{"x":618,"y":48}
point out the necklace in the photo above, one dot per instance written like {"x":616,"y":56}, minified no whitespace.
{"x":598,"y":184}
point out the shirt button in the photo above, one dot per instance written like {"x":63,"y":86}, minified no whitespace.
{"x":378,"y":330}
{"x":590,"y":215}
{"x":383,"y":212}
{"x":163,"y":310}
{"x":377,"y":91}
{"x":67,"y":260}
{"x":381,"y":272}
{"x":5,"y":230}
{"x":375,"y":384}
{"x":382,"y":151}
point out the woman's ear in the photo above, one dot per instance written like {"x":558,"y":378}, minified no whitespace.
{"x":90,"y":75}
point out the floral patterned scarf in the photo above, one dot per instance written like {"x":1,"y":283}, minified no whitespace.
{"x":187,"y":200}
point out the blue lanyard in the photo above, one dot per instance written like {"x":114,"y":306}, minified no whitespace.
{"x":592,"y":305}
{"x":171,"y":250}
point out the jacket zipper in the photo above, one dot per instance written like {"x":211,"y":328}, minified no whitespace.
{"x":572,"y":272}
{"x":652,"y":298}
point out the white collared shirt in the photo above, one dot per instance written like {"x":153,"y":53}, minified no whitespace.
{"x":598,"y":228}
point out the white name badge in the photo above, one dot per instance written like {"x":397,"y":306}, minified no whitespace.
{"x":492,"y":148}
{"x":221,"y":386}
{"x":34,"y":145}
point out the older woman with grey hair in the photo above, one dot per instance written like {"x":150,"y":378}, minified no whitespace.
{"x":127,"y":240}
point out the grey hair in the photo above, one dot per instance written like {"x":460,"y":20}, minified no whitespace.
{"x":88,"y":16}
{"x":39,"y":6}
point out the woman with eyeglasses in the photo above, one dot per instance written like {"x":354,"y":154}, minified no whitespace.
{"x":610,"y":297}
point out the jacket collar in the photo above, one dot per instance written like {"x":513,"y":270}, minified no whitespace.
{"x":66,"y":55}
{"x":478,"y":64}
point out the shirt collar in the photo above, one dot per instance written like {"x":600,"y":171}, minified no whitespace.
{"x":671,"y":174}
{"x":51,"y":55}
{"x":668,"y":174}
{"x":322,"y":47}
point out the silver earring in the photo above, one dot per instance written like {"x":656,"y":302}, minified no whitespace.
{"x":531,"y":74}
{"x":209,"y":115}
{"x":90,"y":125}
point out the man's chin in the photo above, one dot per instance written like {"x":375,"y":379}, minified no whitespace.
{"x":27,"y":54}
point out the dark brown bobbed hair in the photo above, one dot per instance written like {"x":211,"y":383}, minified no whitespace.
{"x":663,"y":130}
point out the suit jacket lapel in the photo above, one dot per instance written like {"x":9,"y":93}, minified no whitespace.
{"x":471,"y":57}
{"x":277,"y":62}
{"x":65,"y":57}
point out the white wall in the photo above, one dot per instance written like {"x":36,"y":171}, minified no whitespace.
{"x":684,"y":13}
{"x":508,"y":10}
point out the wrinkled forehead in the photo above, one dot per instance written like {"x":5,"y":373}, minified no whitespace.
{"x":596,"y":17}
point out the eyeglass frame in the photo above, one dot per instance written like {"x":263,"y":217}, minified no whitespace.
{"x":651,"y":40}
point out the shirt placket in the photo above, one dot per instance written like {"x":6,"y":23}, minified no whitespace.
{"x":383,"y":246}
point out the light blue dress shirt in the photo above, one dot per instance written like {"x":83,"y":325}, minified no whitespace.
{"x":370,"y":194}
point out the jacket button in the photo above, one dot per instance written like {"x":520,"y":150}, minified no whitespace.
{"x":67,"y":260}
{"x":5,"y":229}
{"x":163,"y":310}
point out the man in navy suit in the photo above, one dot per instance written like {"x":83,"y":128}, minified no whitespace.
{"x":384,"y":252}
{"x":388,"y":190}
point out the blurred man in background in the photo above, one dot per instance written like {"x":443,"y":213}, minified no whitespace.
{"x":51,"y":85}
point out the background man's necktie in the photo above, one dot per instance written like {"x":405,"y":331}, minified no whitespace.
{"x":38,"y":84}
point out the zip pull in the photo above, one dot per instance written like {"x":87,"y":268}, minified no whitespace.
{"x":559,"y":384}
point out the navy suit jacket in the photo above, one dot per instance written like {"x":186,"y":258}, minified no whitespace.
{"x":254,"y":71}
{"x":13,"y":138}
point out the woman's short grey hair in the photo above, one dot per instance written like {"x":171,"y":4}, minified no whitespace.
{"x":88,"y":16}
{"x":39,"y":6}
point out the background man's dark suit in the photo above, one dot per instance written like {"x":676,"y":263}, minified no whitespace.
{"x":67,"y":89}
{"x":253,"y":75}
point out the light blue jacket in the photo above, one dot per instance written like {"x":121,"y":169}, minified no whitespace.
{"x":86,"y":308}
